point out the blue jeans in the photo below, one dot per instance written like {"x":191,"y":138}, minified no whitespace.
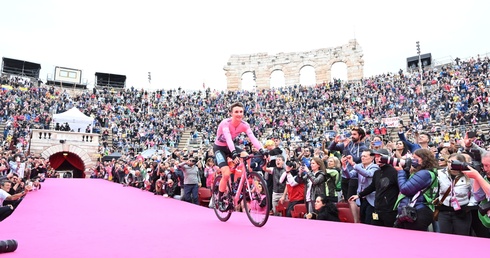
{"x":455,"y":222}
{"x":190,"y":193}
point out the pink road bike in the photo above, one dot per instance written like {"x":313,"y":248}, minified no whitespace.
{"x":249,"y":191}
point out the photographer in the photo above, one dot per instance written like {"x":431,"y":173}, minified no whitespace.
{"x":39,"y":169}
{"x":295,"y":187}
{"x":415,"y":208}
{"x":315,"y":181}
{"x":12,"y":200}
{"x":481,"y":192}
{"x":385,"y":186}
{"x":455,"y":193}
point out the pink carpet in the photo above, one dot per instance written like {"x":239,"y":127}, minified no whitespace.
{"x":96,"y":218}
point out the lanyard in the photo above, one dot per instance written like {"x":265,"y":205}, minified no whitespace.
{"x":453,"y":183}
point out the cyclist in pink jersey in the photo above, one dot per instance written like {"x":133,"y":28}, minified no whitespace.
{"x":224,"y":146}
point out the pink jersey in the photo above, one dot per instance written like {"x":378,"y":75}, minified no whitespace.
{"x":227,"y":132}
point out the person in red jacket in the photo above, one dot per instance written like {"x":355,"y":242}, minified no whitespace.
{"x":295,"y":187}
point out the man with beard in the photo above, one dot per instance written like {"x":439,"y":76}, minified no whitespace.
{"x":350,"y":147}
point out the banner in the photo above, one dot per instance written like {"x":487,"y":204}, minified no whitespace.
{"x":391,"y":121}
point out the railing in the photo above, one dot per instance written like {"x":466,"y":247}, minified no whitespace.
{"x":63,"y":136}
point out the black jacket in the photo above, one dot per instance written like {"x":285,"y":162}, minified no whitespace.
{"x":385,"y":183}
{"x":328,"y":212}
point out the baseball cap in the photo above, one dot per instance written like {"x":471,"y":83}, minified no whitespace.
{"x":381,"y":152}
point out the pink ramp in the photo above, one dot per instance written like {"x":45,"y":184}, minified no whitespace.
{"x":97,"y":218}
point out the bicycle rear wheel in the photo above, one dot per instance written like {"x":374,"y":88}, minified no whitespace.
{"x":222,"y":215}
{"x":256,"y":199}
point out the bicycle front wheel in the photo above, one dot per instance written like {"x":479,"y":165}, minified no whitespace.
{"x":222,"y":215}
{"x":256,"y":199}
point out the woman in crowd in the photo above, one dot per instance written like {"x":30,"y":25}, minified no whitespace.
{"x":159,"y":187}
{"x":324,"y":210}
{"x":332,"y":178}
{"x":417,"y":190}
{"x":442,"y":161}
{"x":315,"y":181}
{"x":454,"y":217}
{"x":377,"y":143}
{"x":210,"y":172}
{"x":401,"y":151}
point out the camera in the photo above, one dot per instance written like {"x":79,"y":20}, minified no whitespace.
{"x":404,"y":163}
{"x":291,"y":163}
{"x":407,"y":214}
{"x":484,"y":207}
{"x":459,"y":166}
{"x":346,"y":152}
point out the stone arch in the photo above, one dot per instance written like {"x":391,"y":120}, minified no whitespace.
{"x":336,"y":64}
{"x":274,"y":78}
{"x":81,"y":153}
{"x":290,"y":63}
{"x":304,"y":75}
{"x":247,"y":81}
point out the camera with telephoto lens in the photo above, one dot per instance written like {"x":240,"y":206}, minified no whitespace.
{"x":404,"y":163}
{"x":459,"y":166}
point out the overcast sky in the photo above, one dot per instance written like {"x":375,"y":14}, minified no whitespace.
{"x":186,"y":43}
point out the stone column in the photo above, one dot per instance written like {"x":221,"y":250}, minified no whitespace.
{"x":233,"y":80}
{"x":322,"y":74}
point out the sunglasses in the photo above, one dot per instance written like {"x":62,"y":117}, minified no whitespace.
{"x":442,"y":159}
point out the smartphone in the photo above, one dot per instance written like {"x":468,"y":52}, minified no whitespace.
{"x":345,"y":152}
{"x":471,"y":134}
{"x":330,"y":134}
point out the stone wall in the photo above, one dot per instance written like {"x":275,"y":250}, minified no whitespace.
{"x":291,"y":63}
{"x":48,"y":142}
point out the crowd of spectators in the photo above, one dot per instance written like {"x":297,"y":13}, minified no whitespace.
{"x":19,"y":174}
{"x":305,"y":122}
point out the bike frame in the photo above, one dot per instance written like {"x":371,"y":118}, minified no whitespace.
{"x":243,"y":178}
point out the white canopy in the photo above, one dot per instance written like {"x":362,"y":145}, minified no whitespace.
{"x":75,"y":118}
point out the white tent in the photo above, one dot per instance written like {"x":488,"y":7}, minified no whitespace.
{"x":75,"y":118}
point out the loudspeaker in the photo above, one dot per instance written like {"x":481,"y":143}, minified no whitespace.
{"x":413,"y":62}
